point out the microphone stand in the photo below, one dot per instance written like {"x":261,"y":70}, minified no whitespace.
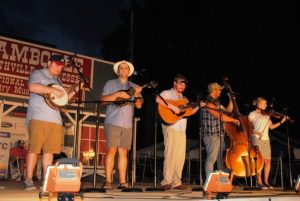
{"x":289,"y":150}
{"x":81,"y":78}
{"x":75,"y":141}
{"x":155,"y":148}
{"x":94,"y":189}
{"x":250,"y":159}
{"x":200,"y":188}
{"x":133,"y":164}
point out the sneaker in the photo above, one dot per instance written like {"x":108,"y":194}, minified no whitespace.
{"x":166,"y":187}
{"x":107,"y":185}
{"x":261,"y":186}
{"x":29,"y":185}
{"x":269,"y":186}
{"x":123,"y":186}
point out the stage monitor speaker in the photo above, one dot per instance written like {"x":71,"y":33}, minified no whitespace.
{"x":63,"y":177}
{"x":218,"y":181}
{"x":297,"y":185}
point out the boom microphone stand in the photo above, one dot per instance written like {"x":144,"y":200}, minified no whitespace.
{"x":84,"y":80}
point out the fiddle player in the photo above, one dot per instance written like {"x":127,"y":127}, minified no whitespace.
{"x":212,"y":126}
{"x":260,"y":137}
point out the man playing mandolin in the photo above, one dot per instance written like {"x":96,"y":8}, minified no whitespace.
{"x":43,"y":121}
{"x":122,"y":96}
{"x":174,"y":134}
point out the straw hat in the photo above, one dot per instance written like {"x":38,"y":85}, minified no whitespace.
{"x":117,"y":64}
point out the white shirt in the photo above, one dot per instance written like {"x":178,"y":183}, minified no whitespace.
{"x":261,"y":123}
{"x":170,"y":94}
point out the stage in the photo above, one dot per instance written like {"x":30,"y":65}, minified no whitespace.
{"x":13,"y":191}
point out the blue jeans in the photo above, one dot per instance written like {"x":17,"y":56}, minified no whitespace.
{"x":212,"y":146}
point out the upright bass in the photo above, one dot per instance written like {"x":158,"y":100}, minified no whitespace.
{"x":241,"y":150}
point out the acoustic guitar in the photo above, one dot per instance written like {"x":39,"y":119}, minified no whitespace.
{"x":169,"y":117}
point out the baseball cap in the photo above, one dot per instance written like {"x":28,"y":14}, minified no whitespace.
{"x":212,"y":86}
{"x":58,"y":59}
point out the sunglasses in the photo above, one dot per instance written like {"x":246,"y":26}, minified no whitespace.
{"x":182,"y":81}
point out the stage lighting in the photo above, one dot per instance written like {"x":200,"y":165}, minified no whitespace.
{"x":63,"y":178}
{"x":218,"y":182}
{"x":297,"y":185}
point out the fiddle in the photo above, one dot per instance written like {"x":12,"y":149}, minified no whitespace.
{"x":277,"y":115}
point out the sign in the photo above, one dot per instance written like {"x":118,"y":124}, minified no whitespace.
{"x":18,"y":59}
{"x":4,"y":153}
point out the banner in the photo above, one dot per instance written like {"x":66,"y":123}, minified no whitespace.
{"x":18,"y":59}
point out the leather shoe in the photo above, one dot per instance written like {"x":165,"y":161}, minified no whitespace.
{"x":180,"y":187}
{"x":166,"y":187}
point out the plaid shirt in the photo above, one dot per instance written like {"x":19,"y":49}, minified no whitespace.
{"x":210,"y":125}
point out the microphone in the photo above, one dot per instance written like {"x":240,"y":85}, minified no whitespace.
{"x":70,"y":60}
{"x":138,"y":72}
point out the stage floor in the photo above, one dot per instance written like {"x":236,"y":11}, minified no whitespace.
{"x":13,"y":191}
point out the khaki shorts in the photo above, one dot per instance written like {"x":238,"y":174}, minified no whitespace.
{"x":45,"y":136}
{"x":117,"y":136}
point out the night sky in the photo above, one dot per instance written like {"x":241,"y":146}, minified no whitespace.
{"x":253,"y":43}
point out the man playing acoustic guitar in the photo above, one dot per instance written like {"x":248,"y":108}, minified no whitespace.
{"x":43,"y":121}
{"x":175,"y":133}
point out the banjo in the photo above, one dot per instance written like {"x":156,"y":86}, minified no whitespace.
{"x":58,"y":102}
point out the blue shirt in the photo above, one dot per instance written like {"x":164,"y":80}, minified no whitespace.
{"x":118,"y":115}
{"x":38,"y":109}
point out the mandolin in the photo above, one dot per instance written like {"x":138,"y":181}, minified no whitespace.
{"x":122,"y":102}
{"x":169,"y":117}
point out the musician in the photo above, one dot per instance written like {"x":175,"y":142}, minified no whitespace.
{"x":44,"y":122}
{"x":212,"y":126}
{"x":119,"y":121}
{"x":260,"y":137}
{"x":174,"y":136}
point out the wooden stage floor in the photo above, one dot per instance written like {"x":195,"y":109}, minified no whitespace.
{"x":13,"y":191}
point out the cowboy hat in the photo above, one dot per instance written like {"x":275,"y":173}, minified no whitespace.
{"x":116,"y":66}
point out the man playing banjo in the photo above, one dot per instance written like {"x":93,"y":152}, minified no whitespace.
{"x":44,"y":122}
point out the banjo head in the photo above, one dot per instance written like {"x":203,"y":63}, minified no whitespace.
{"x":59,"y":102}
